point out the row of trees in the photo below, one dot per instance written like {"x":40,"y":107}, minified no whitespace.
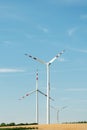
{"x":75,"y":122}
{"x":14,"y":124}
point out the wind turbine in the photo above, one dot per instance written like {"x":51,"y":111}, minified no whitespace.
{"x":58,"y":110}
{"x":48,"y":78}
{"x":37,"y":104}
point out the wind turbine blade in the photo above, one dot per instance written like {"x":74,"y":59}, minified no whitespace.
{"x":45,"y":95}
{"x":57,"y":56}
{"x":35,"y":58}
{"x":42,"y":93}
{"x":30,"y":93}
{"x":27,"y":94}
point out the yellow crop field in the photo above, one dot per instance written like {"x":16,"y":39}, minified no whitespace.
{"x":63,"y":127}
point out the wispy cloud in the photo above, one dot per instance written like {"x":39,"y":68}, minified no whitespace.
{"x":83,"y":51}
{"x":71,"y":31}
{"x":44,"y":29}
{"x":70,"y":2}
{"x":78,"y":50}
{"x":7,"y":13}
{"x":28,"y":36}
{"x":83,"y":16}
{"x":70,"y":70}
{"x":61,"y":60}
{"x":9,"y":70}
{"x":76,"y":89}
{"x":7,"y":42}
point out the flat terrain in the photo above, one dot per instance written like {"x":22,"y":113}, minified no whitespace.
{"x":63,"y":127}
{"x":54,"y":127}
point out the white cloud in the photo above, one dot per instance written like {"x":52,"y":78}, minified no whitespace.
{"x":61,"y":60}
{"x":71,"y":31}
{"x":7,"y":70}
{"x":43,"y":29}
{"x":83,"y":51}
{"x":6,"y":42}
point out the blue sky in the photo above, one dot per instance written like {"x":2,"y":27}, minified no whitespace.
{"x":43,"y":29}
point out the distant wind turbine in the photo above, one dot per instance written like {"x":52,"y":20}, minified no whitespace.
{"x":48,"y":78}
{"x":58,"y":110}
{"x":37,"y":104}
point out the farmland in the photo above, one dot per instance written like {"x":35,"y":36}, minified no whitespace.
{"x":48,"y":127}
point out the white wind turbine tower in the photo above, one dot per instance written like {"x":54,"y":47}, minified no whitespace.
{"x":48,"y":79}
{"x":37,"y":104}
{"x":37,"y":90}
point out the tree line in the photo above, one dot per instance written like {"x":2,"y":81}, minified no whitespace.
{"x":78,"y":122}
{"x":20,"y":124}
{"x":14,"y":124}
